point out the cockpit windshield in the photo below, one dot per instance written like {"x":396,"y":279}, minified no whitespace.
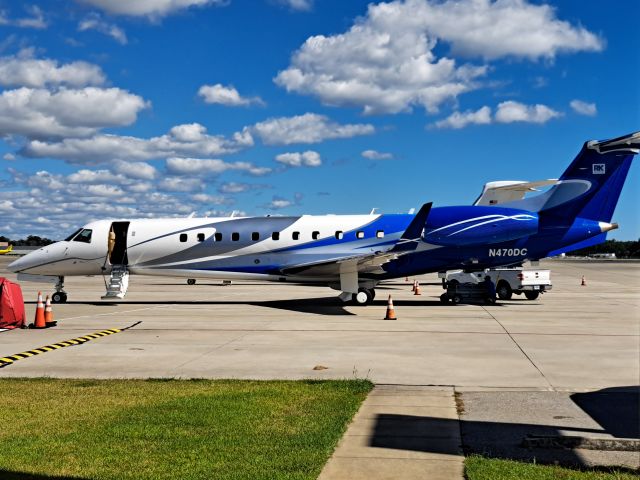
{"x":84,"y":236}
{"x":70,"y":237}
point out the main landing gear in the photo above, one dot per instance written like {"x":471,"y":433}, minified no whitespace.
{"x":60,"y":296}
{"x":364,"y":296}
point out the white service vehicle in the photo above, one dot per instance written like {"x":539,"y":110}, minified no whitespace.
{"x":507,"y":280}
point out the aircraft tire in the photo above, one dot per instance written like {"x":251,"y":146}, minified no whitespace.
{"x":59,"y":297}
{"x":504,"y":291}
{"x":363,"y":297}
{"x":531,"y":295}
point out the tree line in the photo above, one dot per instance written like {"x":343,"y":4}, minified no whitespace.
{"x":30,"y":241}
{"x":622,"y":249}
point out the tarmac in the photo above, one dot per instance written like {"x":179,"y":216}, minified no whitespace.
{"x":573,"y":339}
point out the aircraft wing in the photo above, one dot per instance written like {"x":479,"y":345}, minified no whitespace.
{"x":366,"y":262}
{"x":495,"y":193}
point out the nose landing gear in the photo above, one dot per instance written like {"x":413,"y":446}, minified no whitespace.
{"x":60,"y":296}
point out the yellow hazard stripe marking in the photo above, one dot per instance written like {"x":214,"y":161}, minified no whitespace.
{"x":4,"y":361}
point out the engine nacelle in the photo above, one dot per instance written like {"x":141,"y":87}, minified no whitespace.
{"x":477,"y":225}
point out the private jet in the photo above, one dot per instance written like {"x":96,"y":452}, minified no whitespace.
{"x":509,"y":223}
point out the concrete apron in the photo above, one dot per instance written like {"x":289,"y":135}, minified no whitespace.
{"x":401,"y":432}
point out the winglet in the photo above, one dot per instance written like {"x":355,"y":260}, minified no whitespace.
{"x":414,"y":230}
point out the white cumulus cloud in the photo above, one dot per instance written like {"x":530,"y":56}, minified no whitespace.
{"x":375,"y":155}
{"x":511,"y":111}
{"x":482,"y":116}
{"x":39,"y":113}
{"x":181,"y":141}
{"x":236,"y":187}
{"x":148,"y":8}
{"x":297,"y":159}
{"x":385,"y":63}
{"x":584,"y":108}
{"x":209,"y":166}
{"x":228,"y":96}
{"x":300,"y":5}
{"x":93,"y":21}
{"x":179,"y":184}
{"x":307,"y":128}
{"x":138,"y":170}
{"x":506,"y":112}
{"x":24,"y":71}
{"x":34,"y":20}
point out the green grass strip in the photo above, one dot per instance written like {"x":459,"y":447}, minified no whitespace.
{"x":477,"y":467}
{"x":199,"y":429}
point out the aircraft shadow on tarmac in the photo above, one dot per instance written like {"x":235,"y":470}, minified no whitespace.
{"x":331,"y":306}
{"x":616,"y":410}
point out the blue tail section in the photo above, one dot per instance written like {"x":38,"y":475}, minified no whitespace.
{"x":591,"y":186}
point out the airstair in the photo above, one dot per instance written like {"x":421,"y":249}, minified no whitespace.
{"x":118,"y":282}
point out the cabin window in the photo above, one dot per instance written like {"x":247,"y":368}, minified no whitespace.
{"x":183,"y":237}
{"x":255,"y":236}
{"x":84,"y":236}
{"x":275,"y":236}
{"x":201,"y":237}
{"x":235,"y":236}
{"x":360,"y":234}
{"x":217,"y":236}
{"x":315,"y":235}
{"x":339,"y":235}
{"x":70,"y":237}
{"x":295,"y":235}
{"x":380,"y":234}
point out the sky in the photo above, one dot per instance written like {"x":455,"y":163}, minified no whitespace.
{"x":161,"y":108}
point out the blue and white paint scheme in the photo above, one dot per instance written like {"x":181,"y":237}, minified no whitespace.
{"x":353,"y":253}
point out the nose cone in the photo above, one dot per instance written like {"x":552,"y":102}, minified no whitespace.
{"x":29,"y":261}
{"x":39,"y":262}
{"x":16,"y":265}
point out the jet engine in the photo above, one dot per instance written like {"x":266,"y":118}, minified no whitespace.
{"x":478,"y":225}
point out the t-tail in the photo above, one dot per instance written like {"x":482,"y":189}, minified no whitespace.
{"x":584,"y":200}
{"x":577,"y":211}
{"x":590,"y":187}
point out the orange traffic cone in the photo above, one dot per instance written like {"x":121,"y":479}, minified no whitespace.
{"x":583,"y":283}
{"x":39,"y":322}
{"x":391,"y":313}
{"x":417,"y":290}
{"x":48,"y":314}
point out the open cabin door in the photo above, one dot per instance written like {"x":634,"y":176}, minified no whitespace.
{"x":118,"y":243}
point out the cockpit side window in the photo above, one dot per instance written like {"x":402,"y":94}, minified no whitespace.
{"x":70,"y":237}
{"x":84,"y":236}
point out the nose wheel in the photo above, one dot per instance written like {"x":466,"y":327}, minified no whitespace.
{"x":60,"y":296}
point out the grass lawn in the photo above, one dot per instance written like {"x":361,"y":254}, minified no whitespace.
{"x":477,"y":467}
{"x":146,"y":429}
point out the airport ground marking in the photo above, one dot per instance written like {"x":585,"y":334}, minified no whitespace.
{"x":10,"y":359}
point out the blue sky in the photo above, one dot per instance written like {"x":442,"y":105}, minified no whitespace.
{"x":113,"y":108}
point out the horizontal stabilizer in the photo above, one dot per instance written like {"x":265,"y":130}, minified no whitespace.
{"x":627,"y":143}
{"x":496,"y":193}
